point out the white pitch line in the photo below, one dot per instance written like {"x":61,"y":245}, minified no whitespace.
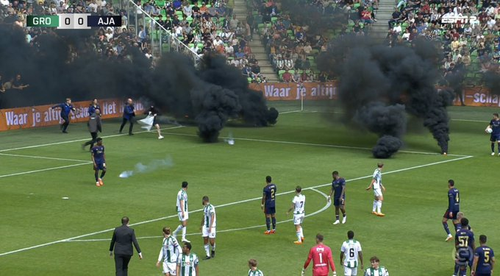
{"x":46,"y":169}
{"x":78,"y":140}
{"x":42,"y":157}
{"x":328,"y":204}
{"x":223,"y":205}
{"x":471,"y":121}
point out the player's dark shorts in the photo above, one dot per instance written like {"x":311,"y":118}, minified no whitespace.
{"x":336,"y":201}
{"x":270,"y":210}
{"x":447,"y":215}
{"x":99,"y":165}
{"x":494,"y":137}
{"x":483,"y":274}
{"x":464,"y":257}
{"x":66,"y":118}
{"x":155,"y":122}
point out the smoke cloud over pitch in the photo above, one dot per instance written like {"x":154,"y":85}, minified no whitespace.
{"x":379,"y":85}
{"x":61,"y":65}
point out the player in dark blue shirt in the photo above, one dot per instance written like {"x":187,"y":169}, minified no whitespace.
{"x":269,"y":205}
{"x":453,"y":207}
{"x":495,"y":134}
{"x":338,"y":192}
{"x":66,"y":108}
{"x":93,"y":106}
{"x":99,"y":160}
{"x":128,"y":115}
{"x":464,"y":244}
{"x":484,"y":259}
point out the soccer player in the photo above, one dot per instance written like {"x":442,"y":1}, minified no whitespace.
{"x":453,"y":207}
{"x":93,"y":107}
{"x":458,"y":223}
{"x":253,"y":270}
{"x":351,"y":250}
{"x":128,"y":115}
{"x":153,"y":111}
{"x":182,"y":211}
{"x":495,"y":134}
{"x":187,"y":263}
{"x":99,"y":160}
{"x":321,"y":256}
{"x":269,"y":205}
{"x":338,"y":186}
{"x":169,"y":253}
{"x":375,"y":268}
{"x":484,"y":259}
{"x":208,"y":224}
{"x":66,"y":108}
{"x":298,"y":208}
{"x":94,"y":125}
{"x":378,"y":187}
{"x":465,"y":246}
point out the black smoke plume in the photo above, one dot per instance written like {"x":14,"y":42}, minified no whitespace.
{"x":76,"y":64}
{"x":378,"y":85}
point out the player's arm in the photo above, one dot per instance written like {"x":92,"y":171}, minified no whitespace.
{"x":202,"y":221}
{"x":342,"y":255}
{"x":360,"y":253}
{"x":371,"y":184}
{"x":330,"y":260}
{"x":309,"y":258}
{"x":263,"y":200}
{"x":451,"y":202}
{"x":178,"y":268}
{"x":492,"y":262}
{"x":182,"y":207}
{"x":104,"y":159}
{"x":55,"y":106}
{"x":330,"y":195}
{"x":292,"y":208}
{"x":474,"y":264}
{"x":342,"y":193}
{"x":93,"y":159}
{"x":212,"y":218}
{"x":160,"y":257}
{"x":383,"y":187}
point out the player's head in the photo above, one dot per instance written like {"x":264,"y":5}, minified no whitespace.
{"x":205,"y":200}
{"x":451,"y":183}
{"x":483,"y":239}
{"x":129,"y":101}
{"x":298,"y":189}
{"x":374,"y":261}
{"x":186,"y":248}
{"x":166,"y":231}
{"x":252,"y":263}
{"x":94,"y":101}
{"x":99,"y":141}
{"x":464,"y":222}
{"x":184,"y":184}
{"x":380,"y":165}
{"x":269,"y":179}
{"x":319,"y":238}
{"x":68,"y":100}
{"x":350,"y":234}
{"x":335,"y":174}
{"x":97,"y":111}
{"x":125,"y":220}
{"x":460,"y":215}
{"x":495,"y":116}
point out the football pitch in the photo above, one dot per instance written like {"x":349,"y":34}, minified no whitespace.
{"x":55,"y":221}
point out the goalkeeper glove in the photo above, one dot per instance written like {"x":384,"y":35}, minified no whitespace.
{"x":335,"y":273}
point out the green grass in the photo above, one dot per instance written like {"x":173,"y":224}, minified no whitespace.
{"x":302,"y":149}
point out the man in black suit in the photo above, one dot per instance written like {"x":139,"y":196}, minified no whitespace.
{"x":124,"y":237}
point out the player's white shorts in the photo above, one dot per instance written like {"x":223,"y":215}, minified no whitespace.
{"x":186,"y":216}
{"x":350,"y":271}
{"x":204,"y":232}
{"x":170,"y":268}
{"x":298,"y":219}
{"x":377,"y":192}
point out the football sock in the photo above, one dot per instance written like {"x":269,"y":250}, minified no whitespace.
{"x":301,"y":232}
{"x":493,"y":147}
{"x":103,"y":173}
{"x":274,"y":223}
{"x":337,"y":217}
{"x":207,"y":251}
{"x":213,"y":247}
{"x":268,"y":224}
{"x":374,"y":205}
{"x":344,"y":214}
{"x":177,"y":230}
{"x":298,"y":236}
{"x":96,"y":176}
{"x":184,"y":233}
{"x":455,"y":271}
{"x":379,"y":206}
{"x":446,"y":228}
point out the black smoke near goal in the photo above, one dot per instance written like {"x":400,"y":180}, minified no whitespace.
{"x":59,"y":64}
{"x":379,"y":86}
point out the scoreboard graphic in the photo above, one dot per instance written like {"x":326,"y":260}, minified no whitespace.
{"x":73,"y":21}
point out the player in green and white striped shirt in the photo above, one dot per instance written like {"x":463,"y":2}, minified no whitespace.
{"x":187,"y":263}
{"x":376,"y":269}
{"x":351,"y":250}
{"x":208,"y":224}
{"x":182,"y":210}
{"x":254,"y":271}
{"x":169,"y":252}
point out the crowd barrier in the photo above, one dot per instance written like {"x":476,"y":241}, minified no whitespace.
{"x":472,"y":96}
{"x":39,"y":116}
{"x":42,"y":115}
